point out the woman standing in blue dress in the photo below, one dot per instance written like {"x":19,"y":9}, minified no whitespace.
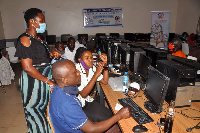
{"x":36,"y":73}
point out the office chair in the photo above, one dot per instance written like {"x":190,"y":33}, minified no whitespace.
{"x":185,"y":48}
{"x":6,"y":73}
{"x":11,"y":54}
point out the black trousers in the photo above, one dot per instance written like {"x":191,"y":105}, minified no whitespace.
{"x":96,"y":112}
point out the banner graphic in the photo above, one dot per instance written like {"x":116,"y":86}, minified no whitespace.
{"x":102,"y":17}
{"x":160,"y":28}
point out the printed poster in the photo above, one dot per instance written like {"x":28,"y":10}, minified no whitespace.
{"x":160,"y":28}
{"x":98,"y":17}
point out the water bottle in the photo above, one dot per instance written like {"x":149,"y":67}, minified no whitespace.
{"x":169,"y":118}
{"x":125,"y":82}
{"x":99,"y":53}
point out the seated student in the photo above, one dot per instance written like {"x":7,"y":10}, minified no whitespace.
{"x":184,"y":37}
{"x":175,"y":47}
{"x":65,"y":112}
{"x":58,"y":53}
{"x":70,"y":50}
{"x":59,"y":47}
{"x":194,"y":48}
{"x":56,"y":56}
{"x":89,"y":75}
{"x":81,"y":41}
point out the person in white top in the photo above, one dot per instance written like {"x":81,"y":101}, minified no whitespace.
{"x":78,"y":45}
{"x":89,"y":75}
{"x":81,"y":41}
{"x":70,"y":50}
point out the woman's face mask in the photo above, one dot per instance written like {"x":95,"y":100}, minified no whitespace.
{"x":42,"y":28}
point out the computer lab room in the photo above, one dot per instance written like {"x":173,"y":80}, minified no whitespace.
{"x":115,"y":66}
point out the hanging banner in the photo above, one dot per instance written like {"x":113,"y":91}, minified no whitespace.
{"x":102,"y":17}
{"x":160,"y":28}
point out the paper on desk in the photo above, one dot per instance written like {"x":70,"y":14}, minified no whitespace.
{"x":116,"y":83}
{"x":118,"y":106}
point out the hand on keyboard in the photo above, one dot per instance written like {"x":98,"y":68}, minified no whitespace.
{"x":140,"y":116}
{"x":124,"y":113}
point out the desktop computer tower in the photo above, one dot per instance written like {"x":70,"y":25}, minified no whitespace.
{"x":113,"y":51}
{"x":179,"y":75}
{"x":184,"y":96}
{"x":134,"y":58}
{"x":123,"y":53}
{"x":196,"y":92}
{"x":155,"y":54}
{"x":190,"y":63}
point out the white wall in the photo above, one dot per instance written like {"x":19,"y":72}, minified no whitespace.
{"x":65,"y":16}
{"x":187,"y":16}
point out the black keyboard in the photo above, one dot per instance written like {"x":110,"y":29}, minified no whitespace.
{"x":140,"y":116}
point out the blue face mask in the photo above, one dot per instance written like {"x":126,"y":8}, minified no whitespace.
{"x":42,"y":28}
{"x":83,"y":42}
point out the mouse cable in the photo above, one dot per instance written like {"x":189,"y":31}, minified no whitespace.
{"x":133,"y":95}
{"x":194,"y":118}
{"x":191,"y":128}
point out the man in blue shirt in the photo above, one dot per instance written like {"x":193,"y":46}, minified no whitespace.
{"x":65,"y":110}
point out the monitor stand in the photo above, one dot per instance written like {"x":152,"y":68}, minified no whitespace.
{"x":149,"y":106}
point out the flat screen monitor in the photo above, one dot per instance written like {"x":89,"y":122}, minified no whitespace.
{"x":143,"y":64}
{"x":156,"y":89}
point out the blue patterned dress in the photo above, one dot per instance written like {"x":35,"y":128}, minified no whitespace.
{"x":35,"y":93}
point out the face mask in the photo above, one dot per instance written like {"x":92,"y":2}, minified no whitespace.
{"x":84,"y":65}
{"x":72,"y":90}
{"x":42,"y":28}
{"x":83,"y":42}
{"x":171,"y":47}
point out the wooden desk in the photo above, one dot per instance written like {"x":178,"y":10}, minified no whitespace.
{"x":181,"y":123}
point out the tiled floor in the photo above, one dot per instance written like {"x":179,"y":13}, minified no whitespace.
{"x":12,"y":118}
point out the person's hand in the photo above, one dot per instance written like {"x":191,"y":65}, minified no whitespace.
{"x":99,"y":68}
{"x":103,"y":57}
{"x":51,"y":85}
{"x":55,"y":54}
{"x":124,"y":113}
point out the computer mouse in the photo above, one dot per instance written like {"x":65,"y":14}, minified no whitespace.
{"x":139,"y":128}
{"x":135,"y":85}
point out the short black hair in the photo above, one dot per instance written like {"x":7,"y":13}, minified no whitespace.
{"x":70,"y":39}
{"x":31,"y":14}
{"x":79,"y":53}
{"x":57,"y":44}
{"x":185,"y":34}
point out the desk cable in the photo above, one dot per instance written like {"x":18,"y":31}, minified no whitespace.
{"x":191,"y":128}
{"x":133,"y":95}
{"x":187,"y":116}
